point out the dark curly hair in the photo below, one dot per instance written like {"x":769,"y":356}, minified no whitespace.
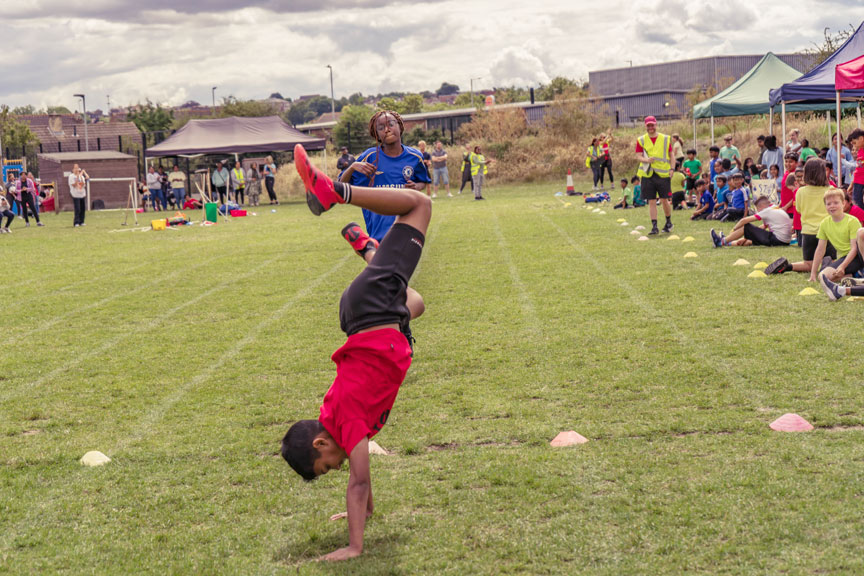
{"x":297,"y":447}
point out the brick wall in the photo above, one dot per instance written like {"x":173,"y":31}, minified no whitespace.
{"x":113,"y":194}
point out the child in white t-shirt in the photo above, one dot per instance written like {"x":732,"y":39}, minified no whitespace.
{"x":776,"y":228}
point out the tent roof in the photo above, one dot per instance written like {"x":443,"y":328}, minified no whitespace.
{"x":850,"y":75}
{"x":234,"y":135}
{"x":818,"y":84}
{"x":749,"y":94}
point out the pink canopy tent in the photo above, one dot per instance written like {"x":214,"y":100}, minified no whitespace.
{"x":847,"y":76}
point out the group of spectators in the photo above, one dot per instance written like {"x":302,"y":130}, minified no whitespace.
{"x":237,"y":185}
{"x":599,"y":161}
{"x":796,"y":195}
{"x":21,"y":195}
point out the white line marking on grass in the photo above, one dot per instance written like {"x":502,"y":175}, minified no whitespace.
{"x":107,"y":345}
{"x":524,"y":298}
{"x":147,"y":424}
{"x":119,"y":294}
{"x":686,"y":343}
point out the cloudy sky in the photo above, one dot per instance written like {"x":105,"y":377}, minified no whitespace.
{"x":171,"y":51}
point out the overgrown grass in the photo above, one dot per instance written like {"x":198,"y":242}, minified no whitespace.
{"x":185,"y":354}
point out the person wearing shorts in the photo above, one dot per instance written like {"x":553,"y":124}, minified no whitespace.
{"x":654,"y":153}
{"x":440,"y":177}
{"x":374,"y":312}
{"x":777,"y":230}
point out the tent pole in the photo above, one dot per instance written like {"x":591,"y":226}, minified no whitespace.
{"x":783,"y":124}
{"x":839,"y":174}
{"x":858,"y":114}
{"x":828,"y":123}
{"x":694,"y":134}
{"x":712,"y":129}
{"x":771,"y":121}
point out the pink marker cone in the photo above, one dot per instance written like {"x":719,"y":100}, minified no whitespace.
{"x":791,"y":423}
{"x":570,"y":438}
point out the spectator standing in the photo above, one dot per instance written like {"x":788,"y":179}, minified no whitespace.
{"x":27,"y":190}
{"x":344,"y":161}
{"x":793,"y":144}
{"x":439,"y":169}
{"x":594,"y":160}
{"x":729,"y":151}
{"x":78,"y":191}
{"x":270,"y":178}
{"x":713,"y":157}
{"x":771,"y":155}
{"x":846,"y":162}
{"x":760,"y":141}
{"x":154,"y":184}
{"x":606,"y":165}
{"x":678,"y":149}
{"x":478,"y":172}
{"x":466,"y":170}
{"x":5,"y":212}
{"x":37,"y":197}
{"x":178,"y":186}
{"x":253,"y":184}
{"x":692,"y":170}
{"x":220,"y":179}
{"x":166,"y":187}
{"x":427,"y":161}
{"x":238,"y":183}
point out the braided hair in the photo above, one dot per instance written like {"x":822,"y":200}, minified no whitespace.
{"x":374,"y":134}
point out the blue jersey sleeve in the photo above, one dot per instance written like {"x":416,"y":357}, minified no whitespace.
{"x":421,"y":173}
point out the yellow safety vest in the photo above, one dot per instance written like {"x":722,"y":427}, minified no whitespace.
{"x":657,"y":149}
{"x":476,"y":160}
{"x":593,"y":153}
{"x":240,"y":177}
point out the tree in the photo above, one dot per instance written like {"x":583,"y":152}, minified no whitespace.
{"x":21,"y":110}
{"x":832,"y":42}
{"x":510,"y":94}
{"x":388,"y":103}
{"x":17,"y":137}
{"x":231,"y":106}
{"x":356,"y":99}
{"x":447,"y":89}
{"x":276,"y":95}
{"x":299,"y":113}
{"x":352,"y":129}
{"x":557,"y":87}
{"x":150,"y":118}
{"x":463,"y":100}
{"x":58,"y":110}
{"x":412,"y":104}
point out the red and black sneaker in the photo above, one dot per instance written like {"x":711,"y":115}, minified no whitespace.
{"x":320,"y":194}
{"x":358,"y":239}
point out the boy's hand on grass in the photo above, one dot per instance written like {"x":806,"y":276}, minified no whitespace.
{"x":341,"y":554}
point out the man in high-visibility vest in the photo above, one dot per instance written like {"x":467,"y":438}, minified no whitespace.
{"x":654,"y":153}
{"x":238,"y":183}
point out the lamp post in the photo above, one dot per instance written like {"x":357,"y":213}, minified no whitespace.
{"x":472,"y":88}
{"x":213,"y":94}
{"x":332,"y":97}
{"x":84,"y":106}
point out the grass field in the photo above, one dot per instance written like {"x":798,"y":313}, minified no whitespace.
{"x":184,"y":355}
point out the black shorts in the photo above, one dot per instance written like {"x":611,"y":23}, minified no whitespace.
{"x":853,"y":267}
{"x":809,"y":242}
{"x":690,"y":184}
{"x":378,"y":294}
{"x":654,"y":187}
{"x":761,"y":237}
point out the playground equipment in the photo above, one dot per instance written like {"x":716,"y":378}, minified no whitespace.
{"x":13,"y":167}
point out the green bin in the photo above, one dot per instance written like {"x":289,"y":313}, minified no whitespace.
{"x":210,"y":211}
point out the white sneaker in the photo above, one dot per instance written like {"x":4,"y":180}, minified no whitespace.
{"x":75,"y":225}
{"x":2,"y":230}
{"x":449,"y":195}
{"x":83,"y":224}
{"x":40,"y":224}
{"x":8,"y":231}
{"x":26,"y":224}
{"x":434,"y":195}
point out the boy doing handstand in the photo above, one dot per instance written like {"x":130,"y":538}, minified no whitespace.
{"x":374,"y":311}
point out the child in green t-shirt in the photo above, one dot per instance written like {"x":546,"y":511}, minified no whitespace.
{"x":841,"y":231}
{"x":626,"y":196}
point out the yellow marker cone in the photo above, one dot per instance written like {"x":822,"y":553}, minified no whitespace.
{"x":673,"y":237}
{"x":760,"y":265}
{"x":691,"y":255}
{"x":621,"y":220}
{"x":808,"y":292}
{"x":757,"y":274}
{"x":567,"y":204}
{"x":602,"y":212}
{"x":855,"y":298}
{"x":688,"y":239}
{"x":94,"y":458}
{"x":741,"y":262}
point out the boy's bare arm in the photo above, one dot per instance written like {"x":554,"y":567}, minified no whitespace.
{"x":358,"y":501}
{"x":817,"y":259}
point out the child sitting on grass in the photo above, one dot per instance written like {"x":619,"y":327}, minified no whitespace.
{"x":706,"y":201}
{"x":776,"y":229}
{"x":810,"y":211}
{"x":721,"y":202}
{"x":740,"y":198}
{"x":839,"y":230}
{"x":626,"y":196}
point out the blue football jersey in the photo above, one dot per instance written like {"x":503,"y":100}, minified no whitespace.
{"x":392,"y":172}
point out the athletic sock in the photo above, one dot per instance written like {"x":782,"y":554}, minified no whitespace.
{"x":654,"y":223}
{"x":668,"y":219}
{"x":343,"y":189}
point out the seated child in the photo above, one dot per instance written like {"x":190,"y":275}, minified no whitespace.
{"x":637,"y":192}
{"x":775,"y":231}
{"x":840,"y":230}
{"x":677,"y":184}
{"x":721,"y":201}
{"x":626,"y":196}
{"x":375,"y":311}
{"x":5,"y":212}
{"x":192,"y":204}
{"x":852,"y":209}
{"x":706,"y":201}
{"x":740,"y":198}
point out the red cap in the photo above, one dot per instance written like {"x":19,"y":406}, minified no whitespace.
{"x":650,"y":120}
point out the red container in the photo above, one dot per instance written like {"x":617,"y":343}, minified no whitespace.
{"x":237,"y":213}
